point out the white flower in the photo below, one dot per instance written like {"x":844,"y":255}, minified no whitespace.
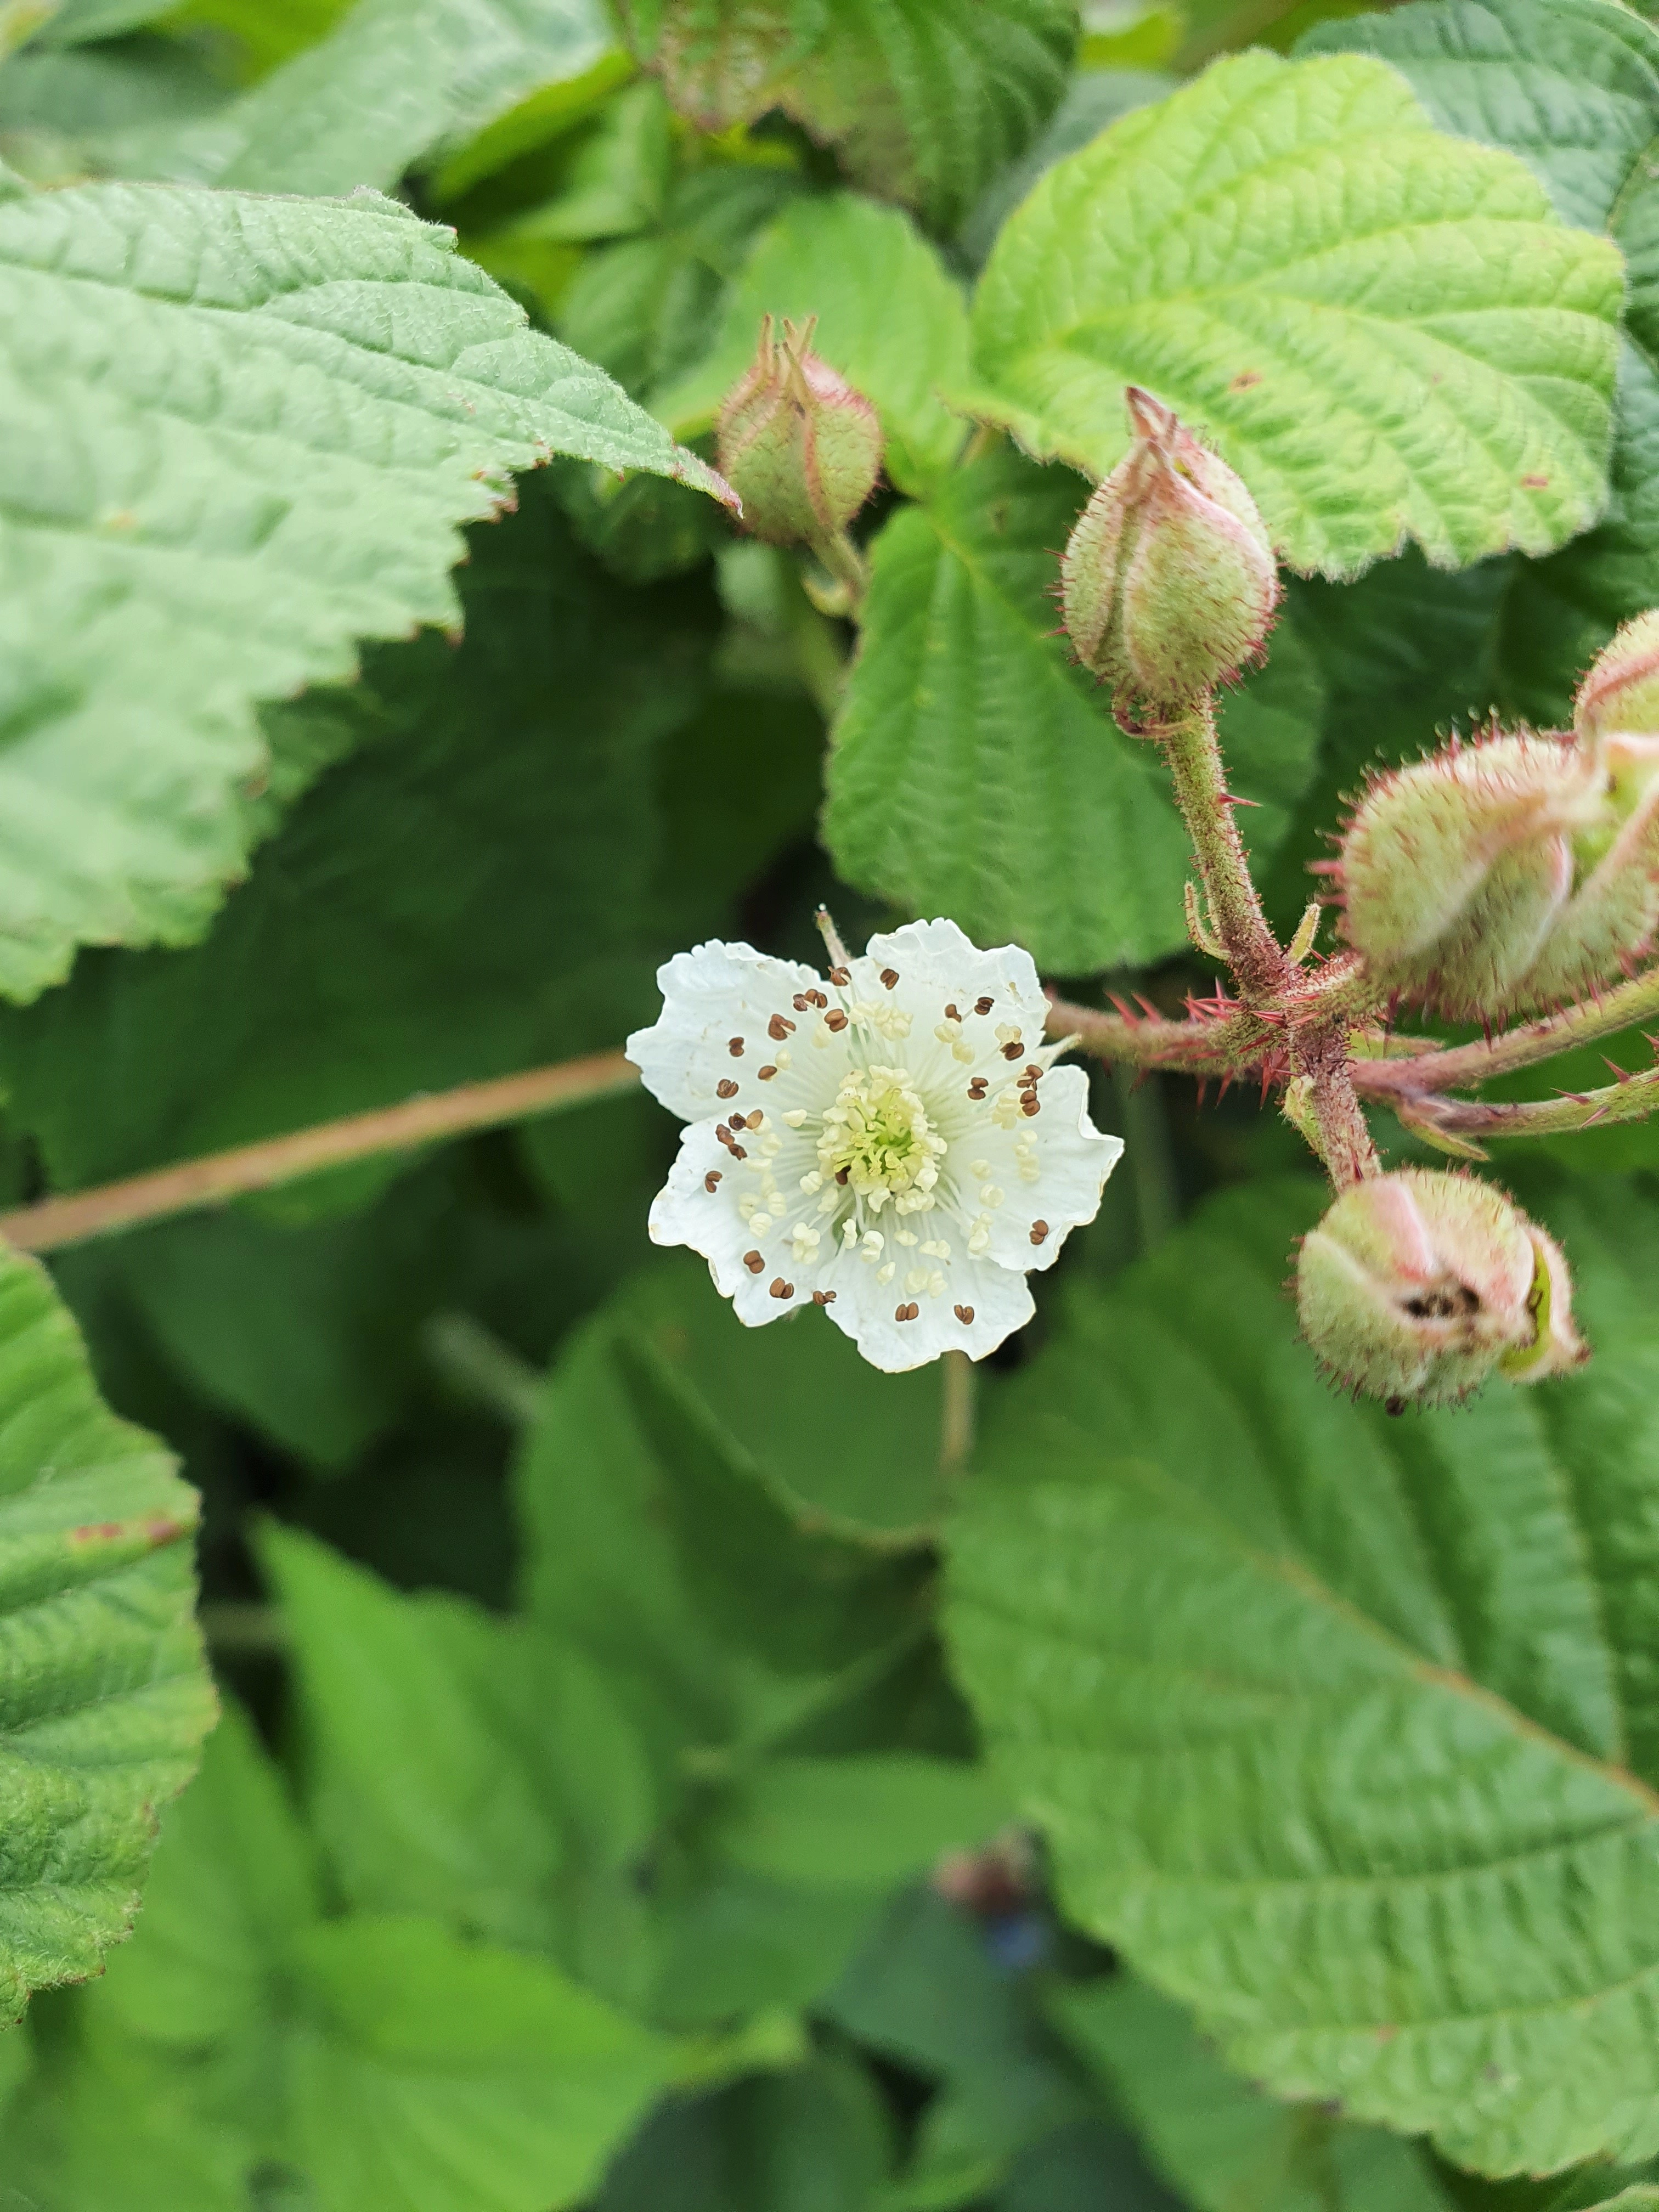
{"x":892,"y":1143}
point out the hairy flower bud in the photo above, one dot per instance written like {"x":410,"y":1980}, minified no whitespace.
{"x":1621,"y":691}
{"x":1505,"y":876}
{"x":1417,"y":1287}
{"x":1168,"y":582}
{"x":799,"y":446}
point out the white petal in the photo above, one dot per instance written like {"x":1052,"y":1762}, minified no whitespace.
{"x":710,"y":996}
{"x":867,"y":1311}
{"x":685,"y":1212}
{"x":936,"y":964}
{"x":1073,"y":1159}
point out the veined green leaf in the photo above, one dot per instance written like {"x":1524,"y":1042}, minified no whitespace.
{"x":244,"y":432}
{"x":889,"y":318}
{"x":1384,"y":330}
{"x":1571,"y":86}
{"x":924,"y":100}
{"x":104,"y":1699}
{"x":976,"y":771}
{"x":1343,"y":1728}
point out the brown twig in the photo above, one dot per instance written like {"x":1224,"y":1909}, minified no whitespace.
{"x":110,"y":1207}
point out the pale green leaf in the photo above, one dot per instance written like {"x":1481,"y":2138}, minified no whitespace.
{"x":1384,"y":330}
{"x":395,"y":84}
{"x":437,"y":2075}
{"x":976,"y":771}
{"x":889,"y":318}
{"x":923,"y":100}
{"x":245,"y":430}
{"x":469,"y":895}
{"x":1571,"y":86}
{"x":103,"y":1697}
{"x":1343,"y":1728}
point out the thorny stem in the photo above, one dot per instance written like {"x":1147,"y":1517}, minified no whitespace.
{"x":1458,"y":1067}
{"x":1254,"y":953}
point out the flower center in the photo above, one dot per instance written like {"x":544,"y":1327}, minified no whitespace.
{"x":878,"y":1142}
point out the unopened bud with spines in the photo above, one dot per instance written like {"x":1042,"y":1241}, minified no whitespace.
{"x":1168,"y":584}
{"x":799,"y":446}
{"x":1419,"y":1286}
{"x":1506,"y":875}
{"x":1621,"y":691}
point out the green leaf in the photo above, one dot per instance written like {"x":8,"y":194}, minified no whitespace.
{"x":1385,"y":330}
{"x":858,"y":1823}
{"x":889,"y":318}
{"x":436,"y":2075}
{"x":923,"y":100}
{"x":1226,"y":2146}
{"x":106,"y":1698}
{"x":815,"y":2139}
{"x":843,"y":1446}
{"x":1342,"y":1728}
{"x":977,"y":772}
{"x":227,"y":465}
{"x":471,"y":894}
{"x":648,"y":308}
{"x":1572,"y":86}
{"x":463,"y":1767}
{"x":393,"y":87}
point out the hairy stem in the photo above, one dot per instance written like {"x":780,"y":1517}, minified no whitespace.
{"x":1459,"y":1067}
{"x":1632,"y":1100}
{"x":117,"y":1206}
{"x":1254,"y":953}
{"x":843,"y":561}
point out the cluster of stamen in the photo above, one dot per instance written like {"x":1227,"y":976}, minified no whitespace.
{"x":878,"y":1143}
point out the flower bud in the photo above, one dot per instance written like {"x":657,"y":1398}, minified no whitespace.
{"x":1168,"y":582}
{"x":1417,"y":1287}
{"x":799,"y":446}
{"x":1455,"y":869}
{"x":1503,"y":877}
{"x":1621,"y":691}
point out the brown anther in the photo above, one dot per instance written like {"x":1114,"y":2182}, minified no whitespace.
{"x":951,"y":1013}
{"x":1033,"y":1073}
{"x":840,"y":978}
{"x":779,"y":1027}
{"x":757,"y":1118}
{"x":815,"y":998}
{"x":964,"y":1314}
{"x":753,"y":1261}
{"x":983,"y":1006}
{"x":888,"y":977}
{"x":766,"y":1073}
{"x":1012,"y":1051}
{"x":780,"y":1289}
{"x":726,"y":1088}
{"x":734,"y":1046}
{"x":907,"y":1312}
{"x":1030,"y":1104}
{"x":842,"y":1174}
{"x":977,"y":1089}
{"x":737,"y":1152}
{"x":711,"y":1179}
{"x":800,"y":1002}
{"x":823,"y":1298}
{"x":1039,"y":1232}
{"x":837,"y":1021}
